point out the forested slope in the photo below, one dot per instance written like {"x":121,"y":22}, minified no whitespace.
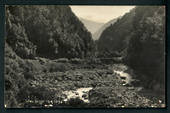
{"x":34,"y":36}
{"x":146,"y":50}
{"x":46,"y":31}
{"x":139,"y":37}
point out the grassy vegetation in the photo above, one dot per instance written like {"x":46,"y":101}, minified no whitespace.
{"x":39,"y":88}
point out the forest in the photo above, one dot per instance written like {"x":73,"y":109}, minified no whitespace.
{"x":53,"y":61}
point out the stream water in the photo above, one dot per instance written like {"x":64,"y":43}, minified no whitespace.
{"x":119,"y":70}
{"x":82,"y":93}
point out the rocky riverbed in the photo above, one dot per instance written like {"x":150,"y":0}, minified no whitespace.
{"x":92,"y":86}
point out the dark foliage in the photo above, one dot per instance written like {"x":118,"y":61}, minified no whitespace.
{"x":139,"y":37}
{"x":48,"y":51}
{"x":147,"y":45}
{"x":115,"y":38}
{"x":39,"y":31}
{"x":48,"y":31}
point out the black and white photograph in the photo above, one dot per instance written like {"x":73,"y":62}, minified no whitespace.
{"x":84,"y":56}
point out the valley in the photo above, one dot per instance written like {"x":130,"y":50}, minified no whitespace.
{"x":52,"y":60}
{"x":87,"y":85}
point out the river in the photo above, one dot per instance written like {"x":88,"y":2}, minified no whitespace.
{"x":82,"y":93}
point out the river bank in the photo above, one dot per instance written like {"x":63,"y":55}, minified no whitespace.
{"x":92,"y":86}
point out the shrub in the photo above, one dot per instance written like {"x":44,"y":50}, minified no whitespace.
{"x":29,"y":75}
{"x":33,"y":66}
{"x":8,"y":85}
{"x":10,"y":100}
{"x":57,"y":67}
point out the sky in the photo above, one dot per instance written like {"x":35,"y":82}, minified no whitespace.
{"x":100,"y":14}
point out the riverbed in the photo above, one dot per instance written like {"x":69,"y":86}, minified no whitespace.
{"x":92,"y":86}
{"x":118,"y":69}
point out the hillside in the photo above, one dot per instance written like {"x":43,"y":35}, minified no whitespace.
{"x":146,"y":49}
{"x":139,"y":37}
{"x":34,"y":36}
{"x":115,"y":37}
{"x":97,"y":34}
{"x":51,"y":60}
{"x":92,"y":26}
{"x":40,"y":32}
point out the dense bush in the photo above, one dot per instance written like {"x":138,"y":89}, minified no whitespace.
{"x":115,"y":38}
{"x":13,"y":76}
{"x":46,"y":31}
{"x":33,"y":66}
{"x":40,"y":31}
{"x":138,"y":36}
{"x":146,"y":51}
{"x":10,"y":99}
{"x":57,"y":67}
{"x":16,"y":36}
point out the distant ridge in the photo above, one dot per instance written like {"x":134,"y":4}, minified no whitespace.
{"x":97,"y":34}
{"x":92,"y":26}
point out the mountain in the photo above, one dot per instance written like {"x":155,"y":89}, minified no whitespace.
{"x":139,"y":36}
{"x":35,"y":35}
{"x":146,"y":49}
{"x":115,"y":37}
{"x":92,"y":26}
{"x":46,"y":31}
{"x":49,"y":52}
{"x":97,"y":34}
